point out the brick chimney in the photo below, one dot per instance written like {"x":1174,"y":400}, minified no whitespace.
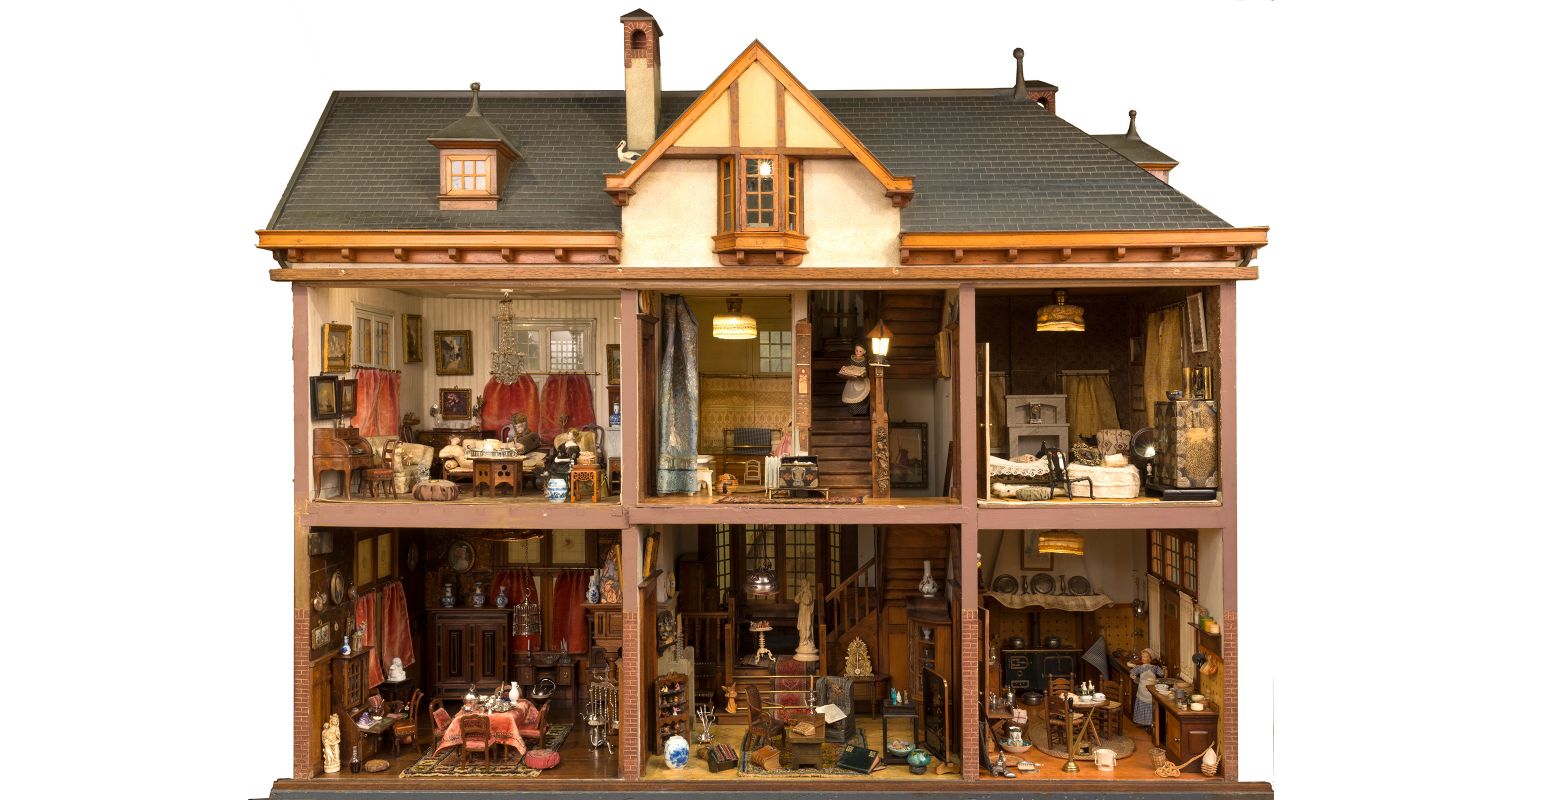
{"x":640,"y":38}
{"x":1044,"y":94}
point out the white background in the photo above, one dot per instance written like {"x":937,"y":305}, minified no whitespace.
{"x":1394,"y":368}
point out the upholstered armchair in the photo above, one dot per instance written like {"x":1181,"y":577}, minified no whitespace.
{"x":838,"y":691}
{"x":413,"y":461}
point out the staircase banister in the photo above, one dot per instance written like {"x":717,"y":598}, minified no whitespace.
{"x":850,"y":580}
{"x":650,"y":578}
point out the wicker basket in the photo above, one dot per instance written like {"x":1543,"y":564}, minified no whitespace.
{"x":1208,"y":768}
{"x":1157,"y":756}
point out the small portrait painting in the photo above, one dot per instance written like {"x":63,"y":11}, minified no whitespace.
{"x":613,"y":365}
{"x":412,"y":338}
{"x":909,"y":442}
{"x":336,"y":345}
{"x":348,"y":398}
{"x":454,"y":403}
{"x":324,"y":392}
{"x":1198,"y":380}
{"x":453,"y":353}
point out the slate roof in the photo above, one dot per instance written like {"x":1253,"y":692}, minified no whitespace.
{"x":981,"y":162}
{"x":1132,"y":147}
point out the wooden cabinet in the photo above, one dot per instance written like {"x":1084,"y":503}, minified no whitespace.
{"x":671,"y":709}
{"x":1189,"y":452}
{"x":469,"y":647}
{"x":348,"y":679}
{"x":932,"y":647}
{"x":1185,"y":734}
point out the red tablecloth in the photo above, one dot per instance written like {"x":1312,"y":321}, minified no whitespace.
{"x":504,"y":727}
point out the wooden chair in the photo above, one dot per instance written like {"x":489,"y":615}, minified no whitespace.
{"x":440,"y":719}
{"x":475,"y":730}
{"x":1058,"y":475}
{"x":1059,"y":684}
{"x":405,"y":729}
{"x":384,"y":472}
{"x":763,"y":726}
{"x":1058,"y":716}
{"x":1117,"y":705}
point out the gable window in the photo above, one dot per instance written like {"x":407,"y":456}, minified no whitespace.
{"x":760,"y":209}
{"x":468,"y":175}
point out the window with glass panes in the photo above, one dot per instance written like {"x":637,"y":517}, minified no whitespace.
{"x":798,"y":557}
{"x":552,"y":345}
{"x":775,"y":351}
{"x":759,"y":192}
{"x":374,"y":337}
{"x":1174,"y":559}
{"x":834,"y":563}
{"x":469,"y":174}
{"x":722,"y":563}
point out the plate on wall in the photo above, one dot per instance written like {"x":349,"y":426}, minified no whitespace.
{"x":1079,"y":585}
{"x":337,"y":587}
{"x":1043,"y":583}
{"x":1005,"y":584}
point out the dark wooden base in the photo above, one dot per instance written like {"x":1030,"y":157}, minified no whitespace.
{"x":1174,"y":493}
{"x":790,"y":789}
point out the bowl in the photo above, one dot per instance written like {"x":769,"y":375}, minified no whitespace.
{"x":899,"y":747}
{"x":1198,"y":698}
{"x":1014,"y":749}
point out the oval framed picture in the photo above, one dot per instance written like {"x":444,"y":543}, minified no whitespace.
{"x":337,"y":587}
{"x":412,"y":557}
{"x":461,"y":556}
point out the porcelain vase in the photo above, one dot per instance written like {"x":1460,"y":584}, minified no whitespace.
{"x":448,"y":600}
{"x":927,"y":586}
{"x":479,"y":598}
{"x":556,"y":490}
{"x":918,"y":761}
{"x":677,"y":752}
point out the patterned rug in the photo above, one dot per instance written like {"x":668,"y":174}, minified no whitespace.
{"x":433,"y":764}
{"x":763,"y":500}
{"x":556,"y":734}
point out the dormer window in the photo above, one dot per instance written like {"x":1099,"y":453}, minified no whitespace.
{"x":760,"y":210}
{"x":474,"y":155}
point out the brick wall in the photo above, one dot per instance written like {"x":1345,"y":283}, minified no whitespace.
{"x":1229,"y":704}
{"x":302,"y":697}
{"x":971,"y":668}
{"x":631,"y":698}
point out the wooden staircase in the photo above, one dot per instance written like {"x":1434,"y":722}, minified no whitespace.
{"x":914,"y":318}
{"x":906,"y":548}
{"x":850,"y":611}
{"x":839,"y":439}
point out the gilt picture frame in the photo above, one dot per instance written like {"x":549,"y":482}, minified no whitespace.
{"x":613,"y":365}
{"x":1198,"y":334}
{"x":335,"y":348}
{"x":454,"y":403}
{"x":411,"y":334}
{"x":451,"y":351}
{"x":347,"y":395}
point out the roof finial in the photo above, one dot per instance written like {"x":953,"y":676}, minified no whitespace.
{"x":475,"y":100}
{"x":1020,"y":75}
{"x":1132,"y":134}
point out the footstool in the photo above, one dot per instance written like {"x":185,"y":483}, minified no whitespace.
{"x":542,"y":759}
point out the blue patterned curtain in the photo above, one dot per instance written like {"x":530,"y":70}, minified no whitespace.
{"x":678,"y":402}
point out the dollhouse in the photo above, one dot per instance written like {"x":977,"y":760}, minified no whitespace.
{"x":846,"y":440}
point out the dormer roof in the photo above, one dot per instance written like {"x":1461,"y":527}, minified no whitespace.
{"x":1132,"y":147}
{"x":473,"y":128}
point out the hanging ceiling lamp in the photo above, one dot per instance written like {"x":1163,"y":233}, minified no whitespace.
{"x":762,"y":580}
{"x":734,"y":325}
{"x":1060,"y":316}
{"x":1064,"y":543}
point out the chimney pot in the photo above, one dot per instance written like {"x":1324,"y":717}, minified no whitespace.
{"x":640,"y":40}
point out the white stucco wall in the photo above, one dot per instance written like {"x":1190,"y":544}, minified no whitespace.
{"x":671,"y":220}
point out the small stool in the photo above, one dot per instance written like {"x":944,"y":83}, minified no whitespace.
{"x":589,"y":474}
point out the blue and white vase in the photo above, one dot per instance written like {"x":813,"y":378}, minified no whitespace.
{"x":615,"y":415}
{"x":677,"y":752}
{"x":448,"y":600}
{"x":345,"y":645}
{"x":479,"y":598}
{"x":556,"y":490}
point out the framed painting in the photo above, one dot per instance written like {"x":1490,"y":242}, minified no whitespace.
{"x":1198,"y":381}
{"x":454,"y":403}
{"x":1198,"y":334}
{"x":336,"y":348}
{"x":348,"y":398}
{"x":1030,"y":559}
{"x":366,"y":562}
{"x":571,"y":548}
{"x":385,"y":555}
{"x":324,"y":396}
{"x":523,"y":552}
{"x":613,"y":365}
{"x":412,"y":337}
{"x":452,"y":353}
{"x":909,"y":443}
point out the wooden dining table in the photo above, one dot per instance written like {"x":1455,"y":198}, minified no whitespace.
{"x":505,"y":727}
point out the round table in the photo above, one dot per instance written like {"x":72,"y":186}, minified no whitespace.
{"x":1088,"y":731}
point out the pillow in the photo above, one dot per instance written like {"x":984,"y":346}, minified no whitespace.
{"x":542,"y":759}
{"x":1115,"y":460}
{"x":441,"y":491}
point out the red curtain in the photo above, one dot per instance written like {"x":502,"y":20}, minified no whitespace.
{"x":499,"y":403}
{"x":377,"y":402}
{"x":564,"y":394}
{"x":516,"y":580}
{"x":567,"y":611}
{"x":396,"y":628}
{"x":367,"y":616}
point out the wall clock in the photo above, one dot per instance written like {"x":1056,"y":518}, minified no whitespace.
{"x":569,"y":547}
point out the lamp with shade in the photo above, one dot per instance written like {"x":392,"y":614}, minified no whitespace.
{"x":879,"y":343}
{"x":735,"y":325}
{"x":1059,"y":316}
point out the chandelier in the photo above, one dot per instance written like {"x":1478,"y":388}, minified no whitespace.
{"x":735,"y":324}
{"x":1060,"y":316}
{"x":507,"y":363}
